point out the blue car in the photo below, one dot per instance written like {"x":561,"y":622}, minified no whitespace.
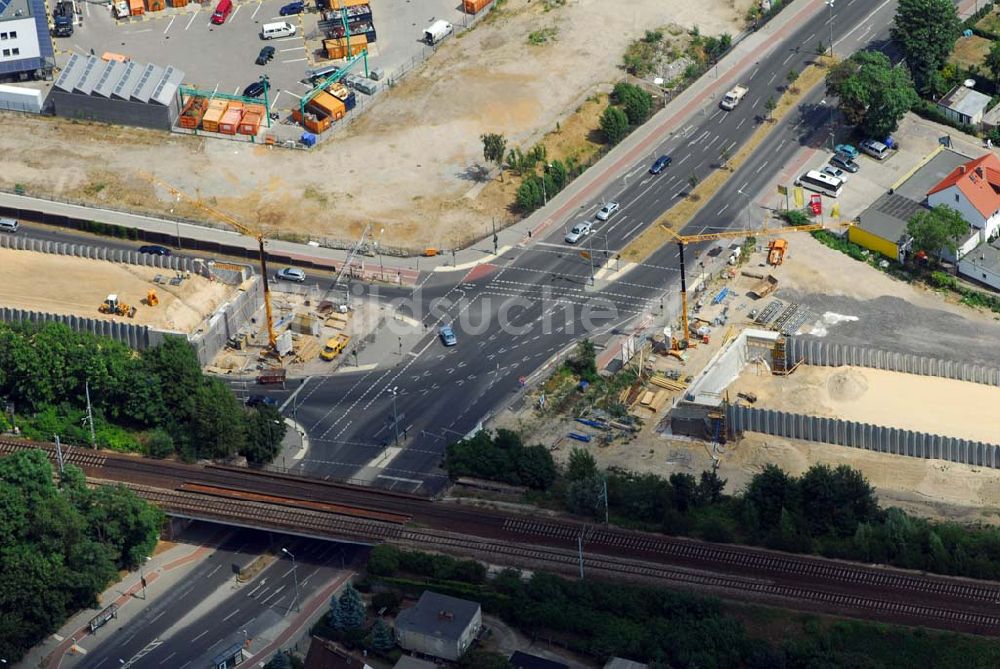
{"x":293,"y":8}
{"x":661,"y":163}
{"x":447,"y":335}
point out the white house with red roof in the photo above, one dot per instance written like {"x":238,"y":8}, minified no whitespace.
{"x":972,"y":189}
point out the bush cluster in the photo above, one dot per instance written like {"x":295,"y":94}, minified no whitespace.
{"x":156,"y":400}
{"x":501,"y":457}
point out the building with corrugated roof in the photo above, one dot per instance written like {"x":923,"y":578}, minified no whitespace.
{"x":123,"y":93}
{"x":25,"y":44}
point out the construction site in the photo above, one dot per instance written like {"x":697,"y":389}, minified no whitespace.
{"x":770,"y":379}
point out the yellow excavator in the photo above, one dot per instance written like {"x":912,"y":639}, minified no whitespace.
{"x":112,"y":305}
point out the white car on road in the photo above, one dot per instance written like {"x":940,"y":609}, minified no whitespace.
{"x":608,"y":210}
{"x":578,"y":232}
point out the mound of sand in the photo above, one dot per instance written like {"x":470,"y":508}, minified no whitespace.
{"x":847,"y":385}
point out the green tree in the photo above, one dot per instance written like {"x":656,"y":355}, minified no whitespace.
{"x":494,"y":147}
{"x":873,"y":93}
{"x":926,"y":32}
{"x":582,"y":465}
{"x":636,"y":102}
{"x":382,"y":638}
{"x":725,"y":153}
{"x":352,"y":608}
{"x":334,"y":618}
{"x":383,"y":560}
{"x":710,"y":488}
{"x":159,"y":444}
{"x":583,"y":361}
{"x":791,"y":78}
{"x":536,"y":468}
{"x":768,"y":493}
{"x":584,"y":496}
{"x":218,"y":422}
{"x":280,"y":661}
{"x":477,"y":658}
{"x":529,"y":194}
{"x":614,"y":124}
{"x":769,"y":106}
{"x":992,"y":61}
{"x":124,"y":522}
{"x":265,"y":431}
{"x":936,"y":230}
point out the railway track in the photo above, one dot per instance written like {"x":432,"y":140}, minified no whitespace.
{"x":331,"y":510}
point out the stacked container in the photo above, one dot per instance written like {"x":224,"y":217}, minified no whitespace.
{"x":327,"y":105}
{"x":178,"y":3}
{"x":194,"y":110}
{"x":474,"y":6}
{"x":230,"y":121}
{"x":135,"y":8}
{"x":340,"y":4}
{"x":338,"y":48}
{"x":155,"y":5}
{"x":216,"y":108}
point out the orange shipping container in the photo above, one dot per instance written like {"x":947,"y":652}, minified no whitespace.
{"x":254,"y":109}
{"x":340,"y":4}
{"x":214,"y":114}
{"x":338,"y":48}
{"x":312,"y":122}
{"x":178,"y":3}
{"x":250,"y":124}
{"x":231,"y":120}
{"x":475,"y":6}
{"x":156,"y":5}
{"x":328,"y":105}
{"x":135,"y":7}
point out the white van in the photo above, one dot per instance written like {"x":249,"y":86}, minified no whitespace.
{"x":279,"y":29}
{"x":8,"y":225}
{"x":437,"y":31}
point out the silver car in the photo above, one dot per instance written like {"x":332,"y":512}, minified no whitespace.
{"x":578,"y":232}
{"x":608,"y":210}
{"x":834,"y":172}
{"x":291,"y":274}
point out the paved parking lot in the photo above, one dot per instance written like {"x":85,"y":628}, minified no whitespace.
{"x":221,"y":58}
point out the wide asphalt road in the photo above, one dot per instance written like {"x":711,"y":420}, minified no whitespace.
{"x":389,"y":425}
{"x":203,"y":615}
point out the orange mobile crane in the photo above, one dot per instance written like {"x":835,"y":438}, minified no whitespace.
{"x":684,"y":240}
{"x":272,"y":339}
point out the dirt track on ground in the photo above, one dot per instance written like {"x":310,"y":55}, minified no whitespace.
{"x":408,"y":165}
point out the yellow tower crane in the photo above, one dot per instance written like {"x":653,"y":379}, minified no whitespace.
{"x":684,"y":240}
{"x":272,"y":339}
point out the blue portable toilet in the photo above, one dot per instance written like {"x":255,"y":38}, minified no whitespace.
{"x":308,"y":139}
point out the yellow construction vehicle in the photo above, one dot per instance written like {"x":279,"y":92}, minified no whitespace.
{"x":112,"y":305}
{"x":272,"y":338}
{"x":151,"y":298}
{"x":334,"y":346}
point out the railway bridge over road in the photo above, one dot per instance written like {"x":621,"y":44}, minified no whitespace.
{"x":320,"y":509}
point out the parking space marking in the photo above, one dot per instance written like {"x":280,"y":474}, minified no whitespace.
{"x":294,"y":48}
{"x":294,"y":60}
{"x":275,"y":100}
{"x":233,"y":17}
{"x":193,"y":16}
{"x":170,"y":24}
{"x":254,"y":15}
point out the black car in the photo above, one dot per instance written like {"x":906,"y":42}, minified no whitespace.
{"x":265,"y":55}
{"x":258,"y":400}
{"x":661,"y":164}
{"x":155,"y":249}
{"x":255,"y":90}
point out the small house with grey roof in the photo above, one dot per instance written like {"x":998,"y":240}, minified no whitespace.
{"x":439,"y":625}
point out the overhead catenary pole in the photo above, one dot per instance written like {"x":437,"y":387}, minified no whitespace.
{"x":90,"y":416}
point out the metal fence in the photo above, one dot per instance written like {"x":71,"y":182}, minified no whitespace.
{"x":879,"y":438}
{"x":828,"y":354}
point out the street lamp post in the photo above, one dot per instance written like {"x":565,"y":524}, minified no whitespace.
{"x":829,"y":3}
{"x":747,"y":196}
{"x":378,"y":247}
{"x":295,"y":575}
{"x":395,"y":416}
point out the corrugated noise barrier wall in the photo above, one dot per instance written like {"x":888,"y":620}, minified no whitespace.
{"x":170,"y":263}
{"x":827,"y":354}
{"x":892,"y":440}
{"x":135,"y":336}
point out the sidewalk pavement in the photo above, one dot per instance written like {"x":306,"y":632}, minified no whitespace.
{"x":747,"y":50}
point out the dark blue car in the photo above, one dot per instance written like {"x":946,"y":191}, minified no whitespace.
{"x":660,"y":164}
{"x":292,"y":8}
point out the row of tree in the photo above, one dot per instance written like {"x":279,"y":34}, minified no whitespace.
{"x":501,"y":457}
{"x":61,"y":543}
{"x":672,"y":629}
{"x":157,"y":400}
{"x":629,"y":107}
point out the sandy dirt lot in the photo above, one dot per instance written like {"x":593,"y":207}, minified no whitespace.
{"x":923,"y":403}
{"x":410,"y":164}
{"x":77,"y":286}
